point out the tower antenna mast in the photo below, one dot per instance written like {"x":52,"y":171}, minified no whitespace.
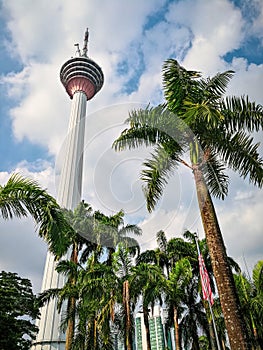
{"x":86,"y":39}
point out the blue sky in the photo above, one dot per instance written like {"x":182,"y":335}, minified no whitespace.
{"x":130,"y":40}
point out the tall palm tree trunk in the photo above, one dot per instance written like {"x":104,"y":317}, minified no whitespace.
{"x":147,"y":327}
{"x":71,"y":304}
{"x":176,"y":329}
{"x":126,"y":304}
{"x":234,"y":321}
{"x":71,"y":325}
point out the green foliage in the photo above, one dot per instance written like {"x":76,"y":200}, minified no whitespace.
{"x":22,"y":197}
{"x":250,"y":293}
{"x":18,"y":309}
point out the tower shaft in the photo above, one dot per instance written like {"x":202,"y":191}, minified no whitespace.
{"x":70,"y":185}
{"x":50,"y":336}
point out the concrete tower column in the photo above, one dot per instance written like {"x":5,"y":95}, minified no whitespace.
{"x":82,"y":79}
{"x":70,"y":185}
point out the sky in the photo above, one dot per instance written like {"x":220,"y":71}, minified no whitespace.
{"x":130,"y":40}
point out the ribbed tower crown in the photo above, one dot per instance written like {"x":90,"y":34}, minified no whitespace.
{"x":82,"y":74}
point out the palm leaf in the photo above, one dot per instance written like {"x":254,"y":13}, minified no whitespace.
{"x":241,"y":154}
{"x":157,"y":170}
{"x":161,"y":240}
{"x":178,"y":83}
{"x":215,"y":176}
{"x":216,"y":86}
{"x":150,"y":126}
{"x":21,"y":196}
{"x":47,"y":295}
{"x":240,"y":113}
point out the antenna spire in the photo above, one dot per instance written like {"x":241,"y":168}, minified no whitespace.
{"x":86,"y":39}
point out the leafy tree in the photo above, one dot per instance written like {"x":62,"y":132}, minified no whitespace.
{"x":18,"y":310}
{"x":197,"y":120}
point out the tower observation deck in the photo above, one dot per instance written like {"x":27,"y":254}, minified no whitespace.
{"x":81,"y":74}
{"x":82,"y":79}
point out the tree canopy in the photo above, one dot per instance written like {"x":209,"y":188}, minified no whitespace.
{"x":18,"y":310}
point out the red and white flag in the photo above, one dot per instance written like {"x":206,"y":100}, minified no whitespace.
{"x":205,"y":281}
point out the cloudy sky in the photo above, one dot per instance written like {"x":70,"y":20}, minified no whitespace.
{"x":130,"y":41}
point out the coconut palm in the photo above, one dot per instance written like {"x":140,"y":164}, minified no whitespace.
{"x":148,"y":282}
{"x":95,"y":309}
{"x":176,"y":283}
{"x":123,"y":260}
{"x":81,"y":221}
{"x":157,"y":256}
{"x":111,"y":231}
{"x":21,"y":197}
{"x":197,"y":120}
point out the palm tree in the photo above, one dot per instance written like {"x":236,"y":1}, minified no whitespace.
{"x":21,"y":197}
{"x":93,"y":304}
{"x":173,"y":257}
{"x":96,"y":307}
{"x":81,"y":221}
{"x":122,"y":264}
{"x":197,"y":119}
{"x":111,"y":231}
{"x":148,"y":282}
{"x":176,"y":283}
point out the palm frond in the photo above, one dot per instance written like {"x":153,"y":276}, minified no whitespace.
{"x":215,"y":177}
{"x":18,"y":197}
{"x":217,"y":85}
{"x":241,"y":113}
{"x":47,"y":295}
{"x":131,"y":244}
{"x":200,"y":113}
{"x":258,"y":275}
{"x":161,"y":240}
{"x":178,"y":83}
{"x":157,"y":170}
{"x":21,"y":196}
{"x":150,"y":126}
{"x":140,"y":133}
{"x":240,"y":153}
{"x":130,"y":229}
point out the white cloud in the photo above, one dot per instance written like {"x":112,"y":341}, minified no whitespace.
{"x":247,"y":80}
{"x":22,"y":251}
{"x":242,"y":226}
{"x":210,"y":28}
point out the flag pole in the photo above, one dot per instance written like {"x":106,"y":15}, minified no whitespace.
{"x":208,"y":299}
